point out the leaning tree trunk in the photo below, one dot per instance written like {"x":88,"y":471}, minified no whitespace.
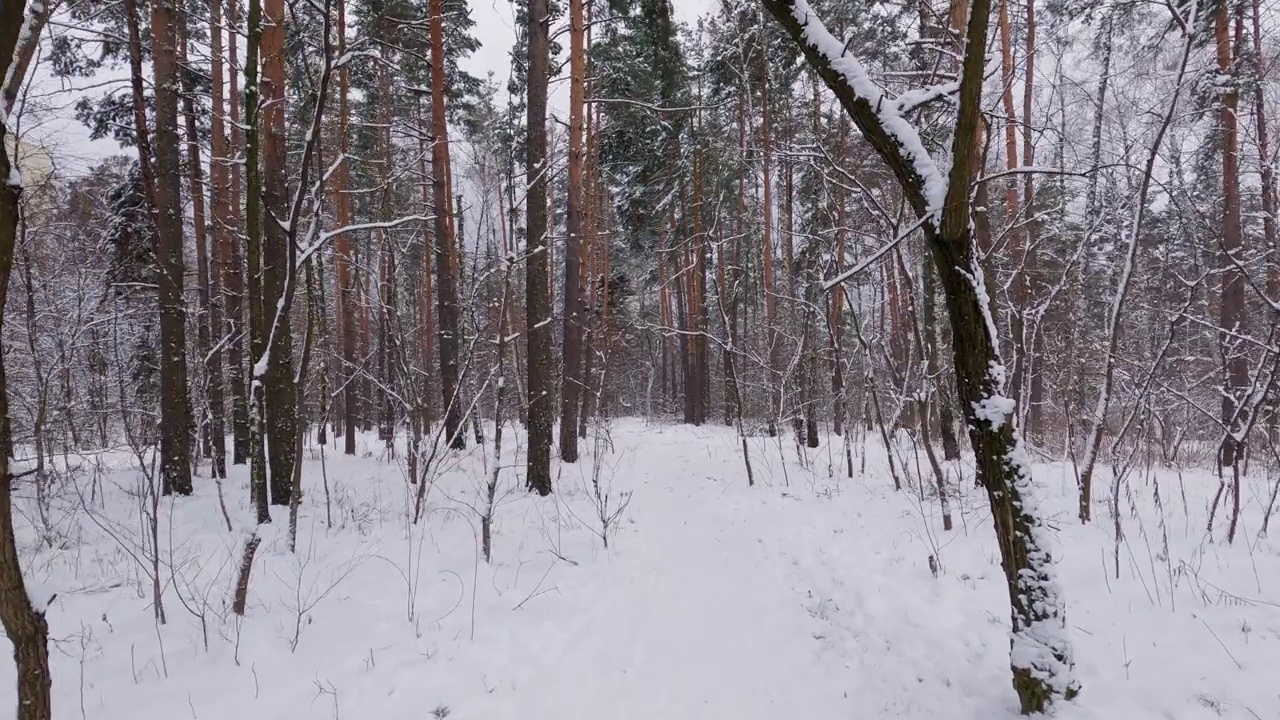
{"x":23,"y":621}
{"x":1043,"y":669}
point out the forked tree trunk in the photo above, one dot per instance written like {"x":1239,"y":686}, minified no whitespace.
{"x":32,"y":25}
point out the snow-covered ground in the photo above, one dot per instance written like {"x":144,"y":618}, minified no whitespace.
{"x":807,"y":596}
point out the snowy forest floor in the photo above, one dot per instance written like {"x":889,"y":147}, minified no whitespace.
{"x":808,"y":596}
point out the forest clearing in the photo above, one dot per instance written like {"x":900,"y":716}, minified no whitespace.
{"x":498,"y":359}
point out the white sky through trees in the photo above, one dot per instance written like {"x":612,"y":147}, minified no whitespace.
{"x":49,"y":118}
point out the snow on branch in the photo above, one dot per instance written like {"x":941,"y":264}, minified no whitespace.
{"x":879,"y":116}
{"x":322,"y":238}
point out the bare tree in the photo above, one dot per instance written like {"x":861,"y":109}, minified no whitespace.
{"x":1043,"y":669}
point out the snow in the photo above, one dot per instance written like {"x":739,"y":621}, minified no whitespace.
{"x":24,"y":38}
{"x":39,"y":595}
{"x":995,"y":409}
{"x":807,"y":596}
{"x":890,"y":111}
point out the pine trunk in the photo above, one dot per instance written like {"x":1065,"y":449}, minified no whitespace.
{"x":446,"y":248}
{"x":24,"y":623}
{"x":220,"y":239}
{"x":175,"y":408}
{"x":343,"y":250}
{"x":234,"y":270}
{"x":537,"y":276}
{"x":213,"y":441}
{"x":571,"y":382}
{"x":278,"y":255}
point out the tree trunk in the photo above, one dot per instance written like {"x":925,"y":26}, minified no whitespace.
{"x":571,"y":383}
{"x":426,"y":292}
{"x":175,"y":409}
{"x":1265,"y":158}
{"x":212,"y":437}
{"x":1233,"y":319}
{"x":773,"y":349}
{"x":278,"y":255}
{"x":23,"y":622}
{"x":32,"y":25}
{"x":386,"y":352}
{"x":233,"y":270}
{"x":253,"y":251}
{"x":343,"y":249}
{"x":537,"y":280}
{"x":221,"y":239}
{"x":1034,"y":394}
{"x":446,"y":249}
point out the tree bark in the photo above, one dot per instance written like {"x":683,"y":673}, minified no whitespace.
{"x":36,"y":18}
{"x":571,"y":382}
{"x":343,"y":250}
{"x":24,"y":623}
{"x":278,"y":255}
{"x":221,"y":239}
{"x":253,"y":251}
{"x":772,"y":347}
{"x":1265,"y":158}
{"x":233,"y":270}
{"x":175,"y":408}
{"x":537,"y":280}
{"x":212,"y":436}
{"x":1233,"y":318}
{"x":446,"y":248}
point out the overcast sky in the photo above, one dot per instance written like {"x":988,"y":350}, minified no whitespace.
{"x":57,"y":128}
{"x":495,"y":21}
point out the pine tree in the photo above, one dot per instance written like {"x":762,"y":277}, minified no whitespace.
{"x":537,"y":274}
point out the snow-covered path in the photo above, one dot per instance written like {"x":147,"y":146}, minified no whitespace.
{"x":808,"y":596}
{"x":691,"y":616}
